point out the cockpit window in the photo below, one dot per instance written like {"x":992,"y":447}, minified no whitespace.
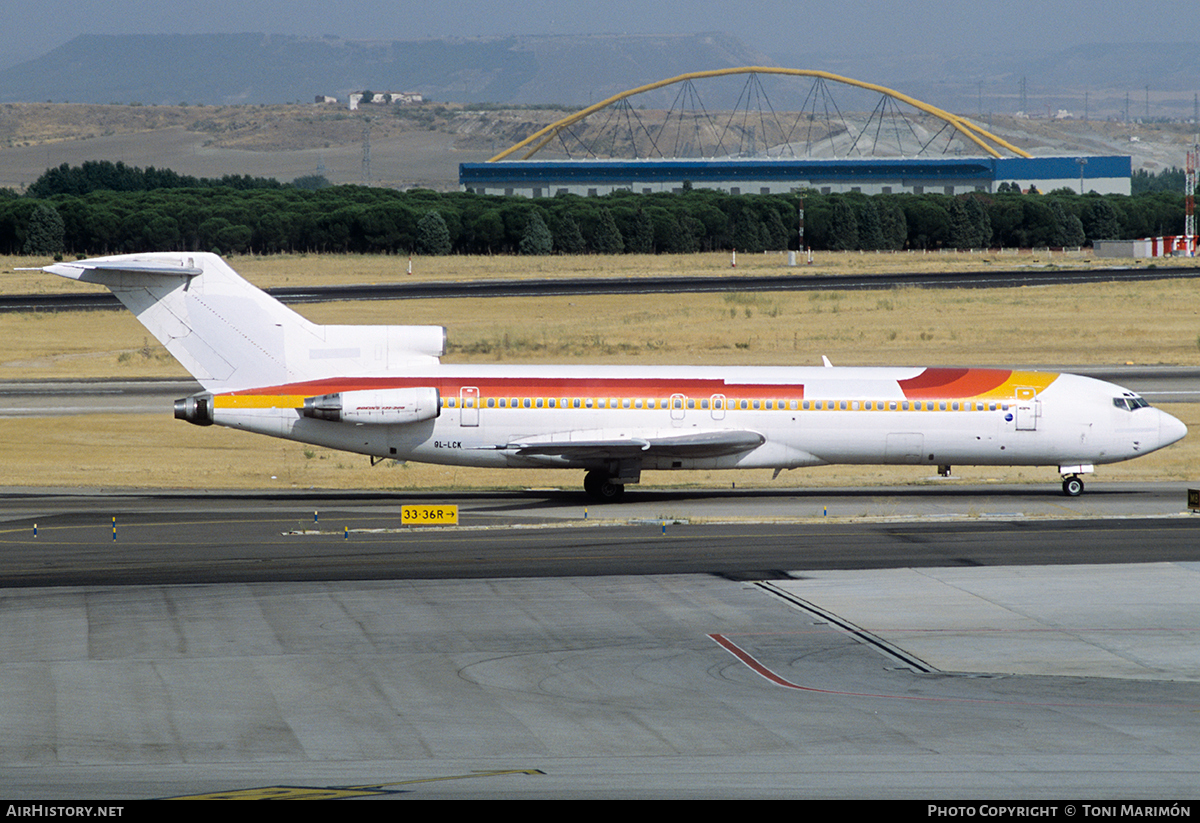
{"x":1130,"y":402}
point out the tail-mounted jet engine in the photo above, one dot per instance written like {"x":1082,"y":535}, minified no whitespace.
{"x":196,"y":409}
{"x":386,"y":406}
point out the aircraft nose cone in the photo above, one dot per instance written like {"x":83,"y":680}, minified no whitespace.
{"x":1170,"y":430}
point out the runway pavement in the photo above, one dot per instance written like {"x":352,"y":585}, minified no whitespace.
{"x":57,"y":398}
{"x":672,"y":284}
{"x":243,"y":538}
{"x":917,"y":643}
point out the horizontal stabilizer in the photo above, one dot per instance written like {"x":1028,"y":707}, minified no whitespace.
{"x":94,"y":271}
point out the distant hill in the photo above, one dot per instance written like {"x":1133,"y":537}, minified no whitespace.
{"x":216,"y":69}
{"x":220,"y":69}
{"x":978,"y":83}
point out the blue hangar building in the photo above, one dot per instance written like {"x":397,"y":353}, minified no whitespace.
{"x":944,"y":175}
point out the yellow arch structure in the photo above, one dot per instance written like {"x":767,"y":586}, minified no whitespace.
{"x":979,"y":136}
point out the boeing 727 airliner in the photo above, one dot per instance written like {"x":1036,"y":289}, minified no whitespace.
{"x":382,"y":391}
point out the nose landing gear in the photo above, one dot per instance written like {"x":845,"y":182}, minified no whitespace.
{"x":1072,"y":486}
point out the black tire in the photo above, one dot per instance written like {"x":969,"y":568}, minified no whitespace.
{"x":591,"y":483}
{"x":1072,"y":486}
{"x":600,"y":486}
{"x":611,"y":492}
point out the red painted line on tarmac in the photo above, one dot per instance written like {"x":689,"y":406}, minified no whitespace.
{"x":758,"y":668}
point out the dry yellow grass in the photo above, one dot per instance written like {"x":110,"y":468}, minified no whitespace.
{"x":1088,"y":324}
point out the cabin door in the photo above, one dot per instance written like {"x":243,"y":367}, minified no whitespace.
{"x":468,"y":406}
{"x":1029,"y":408}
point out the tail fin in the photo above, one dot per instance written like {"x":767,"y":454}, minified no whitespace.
{"x":231,"y":335}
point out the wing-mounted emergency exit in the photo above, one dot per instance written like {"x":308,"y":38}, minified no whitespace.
{"x":383,"y":406}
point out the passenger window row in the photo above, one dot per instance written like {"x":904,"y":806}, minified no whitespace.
{"x":735,"y":404}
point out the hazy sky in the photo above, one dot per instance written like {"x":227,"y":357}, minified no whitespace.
{"x":32,"y":27}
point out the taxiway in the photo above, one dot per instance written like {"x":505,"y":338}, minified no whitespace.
{"x":937,"y":643}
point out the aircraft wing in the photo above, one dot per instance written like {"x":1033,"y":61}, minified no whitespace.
{"x":693,"y":444}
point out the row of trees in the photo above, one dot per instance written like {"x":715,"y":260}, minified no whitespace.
{"x":360,"y":219}
{"x":1172,"y":179}
{"x":105,"y":175}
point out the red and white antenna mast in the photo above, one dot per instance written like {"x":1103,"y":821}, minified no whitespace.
{"x":1189,"y":225}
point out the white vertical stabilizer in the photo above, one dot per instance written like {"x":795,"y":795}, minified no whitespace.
{"x":231,"y":335}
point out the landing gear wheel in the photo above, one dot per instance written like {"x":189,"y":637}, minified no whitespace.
{"x":600,"y":486}
{"x":1072,"y":486}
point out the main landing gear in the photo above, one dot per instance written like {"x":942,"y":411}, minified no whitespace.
{"x":600,"y":485}
{"x":1073,"y":486}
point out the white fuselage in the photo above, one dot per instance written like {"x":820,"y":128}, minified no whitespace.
{"x":805,"y":416}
